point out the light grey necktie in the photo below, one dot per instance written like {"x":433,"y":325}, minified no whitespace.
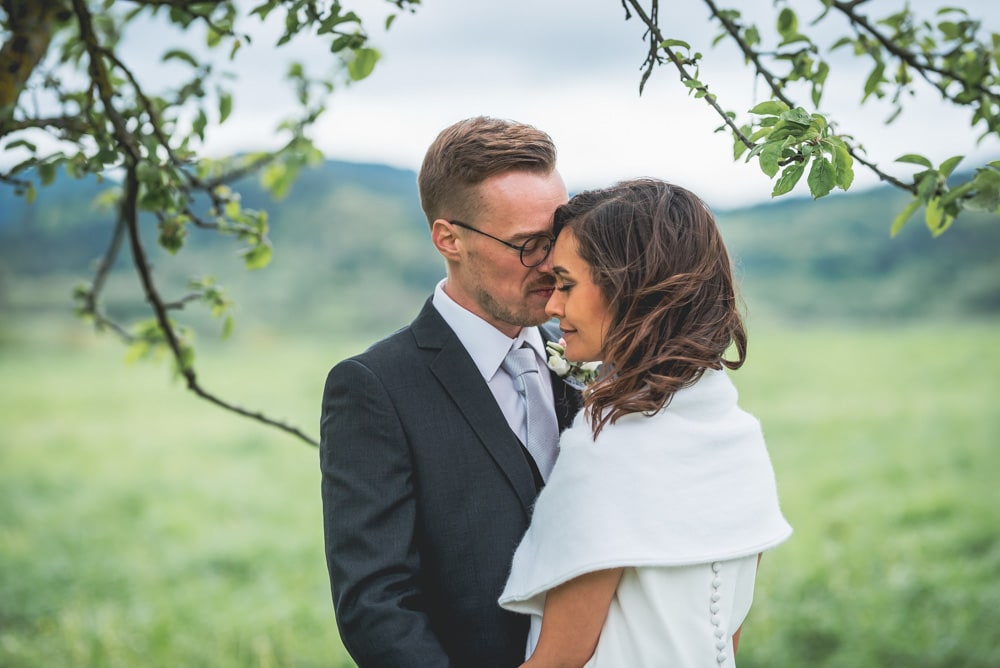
{"x":543,"y":432}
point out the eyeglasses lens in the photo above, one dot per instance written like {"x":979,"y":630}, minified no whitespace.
{"x":535,"y":250}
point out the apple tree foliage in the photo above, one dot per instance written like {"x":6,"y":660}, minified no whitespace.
{"x":71,"y":101}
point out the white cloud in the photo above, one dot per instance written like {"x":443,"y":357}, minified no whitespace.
{"x":572,"y":68}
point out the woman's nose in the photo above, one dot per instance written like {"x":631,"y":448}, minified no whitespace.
{"x":553,"y":308}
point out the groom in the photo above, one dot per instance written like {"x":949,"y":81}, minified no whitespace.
{"x":426,"y":481}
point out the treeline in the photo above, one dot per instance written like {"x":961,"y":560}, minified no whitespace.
{"x":352,"y":253}
{"x":834,"y":258}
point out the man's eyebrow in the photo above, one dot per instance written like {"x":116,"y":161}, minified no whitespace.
{"x":531,"y":235}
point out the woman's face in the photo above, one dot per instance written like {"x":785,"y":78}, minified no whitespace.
{"x":577,"y":302}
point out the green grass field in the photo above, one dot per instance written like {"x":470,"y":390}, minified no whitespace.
{"x":139,"y":526}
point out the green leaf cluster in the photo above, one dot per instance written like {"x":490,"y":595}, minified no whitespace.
{"x":150,"y":135}
{"x":208,"y":291}
{"x":790,"y":141}
{"x":942,"y":199}
{"x":946,"y":52}
{"x":803,"y":60}
{"x":903,"y":50}
{"x":149,"y":342}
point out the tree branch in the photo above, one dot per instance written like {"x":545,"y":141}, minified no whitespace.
{"x":777,"y":90}
{"x":750,"y":54}
{"x":32,"y":24}
{"x":656,"y":39}
{"x":190,"y":7}
{"x":104,"y":267}
{"x":130,"y":219}
{"x":178,"y":4}
{"x":65,"y":123}
{"x":911,"y":59}
{"x":14,"y":181}
{"x":753,"y":56}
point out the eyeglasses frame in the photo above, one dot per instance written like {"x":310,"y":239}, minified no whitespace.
{"x":520,"y":249}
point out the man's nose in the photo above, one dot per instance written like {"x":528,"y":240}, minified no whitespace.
{"x":546,"y":266}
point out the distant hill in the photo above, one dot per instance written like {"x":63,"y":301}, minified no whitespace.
{"x":834,"y":258}
{"x":352,"y":253}
{"x":351,"y":250}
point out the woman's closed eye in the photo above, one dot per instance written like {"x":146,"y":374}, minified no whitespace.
{"x":565,"y":287}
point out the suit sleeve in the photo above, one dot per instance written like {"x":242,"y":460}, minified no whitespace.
{"x":369,"y":522}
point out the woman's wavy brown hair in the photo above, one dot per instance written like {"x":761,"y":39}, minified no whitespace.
{"x":658,"y":257}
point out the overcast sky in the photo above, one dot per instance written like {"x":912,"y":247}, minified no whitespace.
{"x":572,"y":68}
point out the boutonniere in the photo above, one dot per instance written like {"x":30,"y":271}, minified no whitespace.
{"x":576,"y":374}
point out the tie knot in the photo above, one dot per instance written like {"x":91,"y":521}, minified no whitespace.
{"x":520,"y":361}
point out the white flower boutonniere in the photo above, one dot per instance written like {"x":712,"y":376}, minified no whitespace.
{"x":576,"y":374}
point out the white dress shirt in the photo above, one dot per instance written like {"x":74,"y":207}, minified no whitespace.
{"x":488,"y":346}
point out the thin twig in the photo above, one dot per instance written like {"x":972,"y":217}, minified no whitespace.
{"x":776,"y":89}
{"x":104,"y":266}
{"x":179,"y":304}
{"x":656,"y":38}
{"x":66,"y":123}
{"x":129,"y":216}
{"x":922,"y":67}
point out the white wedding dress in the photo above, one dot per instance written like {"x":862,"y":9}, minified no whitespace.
{"x":684,"y":501}
{"x":683,"y":616}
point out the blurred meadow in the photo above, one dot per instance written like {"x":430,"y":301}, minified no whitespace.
{"x":143,"y":527}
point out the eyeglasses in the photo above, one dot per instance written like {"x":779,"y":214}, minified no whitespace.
{"x":533,"y":251}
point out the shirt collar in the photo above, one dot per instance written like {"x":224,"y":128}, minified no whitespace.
{"x":486,"y":344}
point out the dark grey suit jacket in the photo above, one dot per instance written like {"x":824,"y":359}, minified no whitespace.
{"x":426,"y":494}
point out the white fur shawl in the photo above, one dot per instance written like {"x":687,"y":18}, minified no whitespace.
{"x":691,"y":484}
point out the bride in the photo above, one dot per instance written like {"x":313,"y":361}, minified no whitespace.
{"x":644,"y":545}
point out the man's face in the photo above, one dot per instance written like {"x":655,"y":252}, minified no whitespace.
{"x":490,"y":279}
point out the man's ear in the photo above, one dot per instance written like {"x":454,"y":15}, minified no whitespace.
{"x":445,"y":240}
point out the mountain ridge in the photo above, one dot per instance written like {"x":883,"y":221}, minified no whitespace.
{"x":352,"y":250}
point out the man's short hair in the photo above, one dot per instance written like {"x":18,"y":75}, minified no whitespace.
{"x":469,"y":152}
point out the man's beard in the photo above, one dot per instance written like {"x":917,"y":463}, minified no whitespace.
{"x":522,"y":316}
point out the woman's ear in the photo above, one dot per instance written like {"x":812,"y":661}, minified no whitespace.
{"x":445,"y":240}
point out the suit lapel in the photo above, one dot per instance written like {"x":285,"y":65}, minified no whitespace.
{"x":464,"y":384}
{"x":567,"y":399}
